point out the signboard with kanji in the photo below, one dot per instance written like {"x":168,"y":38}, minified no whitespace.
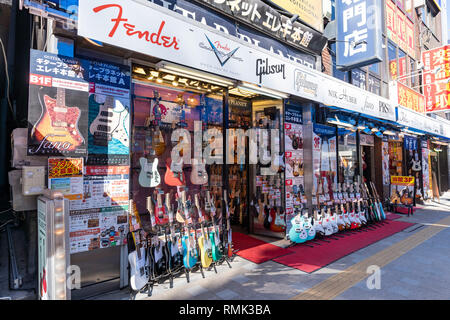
{"x":410,"y":99}
{"x":406,"y":181}
{"x":400,"y":29}
{"x":436,"y":78}
{"x":358,"y":33}
{"x":309,"y":11}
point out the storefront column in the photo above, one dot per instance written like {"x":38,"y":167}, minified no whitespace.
{"x":308,"y":126}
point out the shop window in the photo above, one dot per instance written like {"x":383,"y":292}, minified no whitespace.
{"x":347,"y":156}
{"x":374,"y":85}
{"x":359,"y":78}
{"x":392,"y":58}
{"x":402,"y":67}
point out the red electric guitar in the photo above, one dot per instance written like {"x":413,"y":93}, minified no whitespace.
{"x":174,"y":179}
{"x":58,"y":123}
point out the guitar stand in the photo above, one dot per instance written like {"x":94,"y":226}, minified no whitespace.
{"x":186,"y":272}
{"x":201,"y":271}
{"x":214,"y":266}
{"x":150,"y":289}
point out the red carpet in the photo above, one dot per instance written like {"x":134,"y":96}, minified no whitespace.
{"x":256,"y":250}
{"x":404,"y":210}
{"x":311,"y":259}
{"x":392,"y":216}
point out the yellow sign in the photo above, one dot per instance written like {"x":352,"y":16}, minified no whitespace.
{"x":402,"y":181}
{"x":309,"y":11}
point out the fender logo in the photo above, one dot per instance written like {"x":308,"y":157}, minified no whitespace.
{"x":130,"y":29}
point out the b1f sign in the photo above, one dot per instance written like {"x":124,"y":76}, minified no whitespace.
{"x":358,"y":33}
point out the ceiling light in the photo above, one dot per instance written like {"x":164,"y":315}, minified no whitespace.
{"x":190,"y":73}
{"x":175,"y":82}
{"x":263,"y":91}
{"x":140,"y":71}
{"x":159,"y":80}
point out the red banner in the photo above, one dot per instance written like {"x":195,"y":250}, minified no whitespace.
{"x":436,"y":78}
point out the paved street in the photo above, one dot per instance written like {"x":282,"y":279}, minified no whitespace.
{"x":414,"y":265}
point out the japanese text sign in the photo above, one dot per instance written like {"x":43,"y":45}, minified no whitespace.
{"x":402,"y":181}
{"x":436,"y":78}
{"x":358,"y":33}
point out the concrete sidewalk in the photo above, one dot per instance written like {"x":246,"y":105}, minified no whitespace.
{"x":421,"y":273}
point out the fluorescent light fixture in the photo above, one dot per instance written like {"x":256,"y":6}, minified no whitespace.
{"x":140,"y":71}
{"x":335,"y":120}
{"x":165,"y":66}
{"x":389,"y":133}
{"x":263,"y":91}
{"x":412,"y":132}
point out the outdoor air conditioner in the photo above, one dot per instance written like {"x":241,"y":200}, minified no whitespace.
{"x":419,"y":65}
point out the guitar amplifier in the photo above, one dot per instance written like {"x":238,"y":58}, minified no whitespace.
{"x":20,"y":202}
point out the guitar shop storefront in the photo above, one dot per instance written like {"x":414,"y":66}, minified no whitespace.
{"x":213,"y":117}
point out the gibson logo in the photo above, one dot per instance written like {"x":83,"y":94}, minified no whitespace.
{"x":49,"y":147}
{"x":263,"y":68}
{"x":154,"y":38}
{"x":302,"y":83}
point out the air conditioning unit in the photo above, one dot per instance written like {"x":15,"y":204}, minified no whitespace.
{"x":419,"y":65}
{"x":419,"y":3}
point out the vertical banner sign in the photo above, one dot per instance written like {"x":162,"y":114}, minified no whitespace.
{"x":426,"y":172}
{"x":436,"y":79}
{"x":385,"y":165}
{"x":57,"y":106}
{"x":358,"y":33}
{"x":400,"y":29}
{"x":109,"y":113}
{"x":293,"y":130}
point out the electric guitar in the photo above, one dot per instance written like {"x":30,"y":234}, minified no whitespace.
{"x":111,"y":121}
{"x":174,"y":179}
{"x":229,"y":244}
{"x":160,"y":211}
{"x":139,"y":276}
{"x":277,"y":224}
{"x":204,"y":242}
{"x":415,"y":163}
{"x":297,"y":233}
{"x":199,"y":176}
{"x":189,"y":252}
{"x":213,"y":235}
{"x":149,"y":175}
{"x":58,"y":123}
{"x":158,"y":143}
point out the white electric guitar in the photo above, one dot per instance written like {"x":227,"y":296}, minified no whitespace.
{"x":149,"y":176}
{"x":112,"y":121}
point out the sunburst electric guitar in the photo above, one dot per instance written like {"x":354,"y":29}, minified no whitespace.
{"x":58,"y":123}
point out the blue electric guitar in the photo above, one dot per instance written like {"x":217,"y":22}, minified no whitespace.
{"x":190,"y":255}
{"x":297,"y":233}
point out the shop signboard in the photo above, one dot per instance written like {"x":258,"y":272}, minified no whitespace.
{"x":268,"y":20}
{"x":309,"y":11}
{"x":358,"y":33}
{"x":436,"y":79}
{"x":410,"y":98}
{"x":217,"y":53}
{"x":400,"y":28}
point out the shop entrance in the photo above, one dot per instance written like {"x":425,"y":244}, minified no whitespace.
{"x":256,"y":193}
{"x":367,"y":143}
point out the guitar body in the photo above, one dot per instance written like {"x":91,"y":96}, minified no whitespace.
{"x":297,"y":233}
{"x":59,"y":125}
{"x":205,"y":256}
{"x":110,"y":122}
{"x":149,"y":175}
{"x":199,"y":176}
{"x":277,"y":224}
{"x":173,"y":179}
{"x":266,"y":218}
{"x":139,"y":276}
{"x":215,"y":251}
{"x":189,"y":259}
{"x":161,"y":216}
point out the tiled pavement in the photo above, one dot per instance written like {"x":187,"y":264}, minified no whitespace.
{"x":421,"y":273}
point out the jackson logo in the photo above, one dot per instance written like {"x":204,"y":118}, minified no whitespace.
{"x":264,"y":68}
{"x":156,"y":38}
{"x":221,"y":56}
